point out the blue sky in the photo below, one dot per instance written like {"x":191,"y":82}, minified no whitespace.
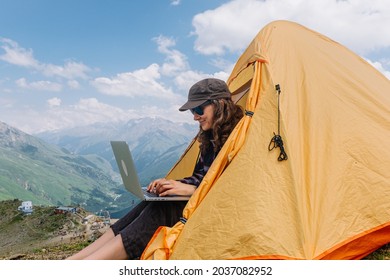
{"x":70,"y":63}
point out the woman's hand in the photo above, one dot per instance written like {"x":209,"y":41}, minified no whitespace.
{"x":164,"y":187}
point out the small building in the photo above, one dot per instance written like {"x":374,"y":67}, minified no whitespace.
{"x":64,"y":210}
{"x":26,"y":207}
{"x":89,"y":218}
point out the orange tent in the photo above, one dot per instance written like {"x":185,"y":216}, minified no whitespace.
{"x":323,"y":191}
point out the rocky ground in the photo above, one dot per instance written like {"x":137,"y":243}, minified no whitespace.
{"x":45,"y":235}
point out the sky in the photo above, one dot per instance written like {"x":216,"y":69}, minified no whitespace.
{"x":74,"y":63}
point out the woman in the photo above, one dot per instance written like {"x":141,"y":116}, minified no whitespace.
{"x":210,"y":102}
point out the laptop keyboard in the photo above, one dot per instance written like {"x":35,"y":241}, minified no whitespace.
{"x":149,"y":194}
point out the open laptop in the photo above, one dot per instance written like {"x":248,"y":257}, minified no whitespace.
{"x":129,"y":175}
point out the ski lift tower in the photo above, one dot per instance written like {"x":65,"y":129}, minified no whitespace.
{"x":105,"y":216}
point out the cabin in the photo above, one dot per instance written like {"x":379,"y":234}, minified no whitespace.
{"x":64,"y":210}
{"x":26,"y":207}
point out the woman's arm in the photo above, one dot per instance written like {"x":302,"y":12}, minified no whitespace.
{"x":164,"y":187}
{"x":185,"y":186}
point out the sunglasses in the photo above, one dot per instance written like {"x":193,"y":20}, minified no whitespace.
{"x":199,"y":110}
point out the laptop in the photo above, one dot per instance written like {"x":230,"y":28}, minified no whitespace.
{"x":130,"y":178}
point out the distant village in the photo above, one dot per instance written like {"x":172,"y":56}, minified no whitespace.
{"x":27,"y":208}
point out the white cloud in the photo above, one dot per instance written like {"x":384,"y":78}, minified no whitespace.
{"x":6,"y":103}
{"x":58,"y":116}
{"x":140,"y":83}
{"x":16,"y":55}
{"x":175,"y":2}
{"x":222,"y":63}
{"x":70,"y":70}
{"x":86,"y":111}
{"x":176,"y":65}
{"x":231,"y":27}
{"x":186,"y":79}
{"x":147,"y":82}
{"x":175,"y":60}
{"x":95,"y":111}
{"x":38,"y":85}
{"x":54,"y":102}
{"x":73,"y":84}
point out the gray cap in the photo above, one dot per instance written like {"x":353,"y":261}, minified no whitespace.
{"x":207,"y":89}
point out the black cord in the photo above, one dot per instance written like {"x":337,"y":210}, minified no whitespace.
{"x":276,"y":141}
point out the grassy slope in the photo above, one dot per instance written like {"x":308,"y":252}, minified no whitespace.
{"x":50,"y":176}
{"x":20,"y":232}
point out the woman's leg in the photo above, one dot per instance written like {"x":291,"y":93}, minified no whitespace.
{"x":111,"y":250}
{"x":99,"y":243}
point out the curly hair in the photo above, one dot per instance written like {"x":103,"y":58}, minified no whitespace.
{"x":226,"y":116}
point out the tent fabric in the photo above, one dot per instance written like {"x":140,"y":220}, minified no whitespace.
{"x":331,"y":198}
{"x":185,"y":165}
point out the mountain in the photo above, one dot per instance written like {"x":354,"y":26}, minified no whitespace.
{"x":156,"y":144}
{"x":77,"y":166}
{"x":31,"y":169}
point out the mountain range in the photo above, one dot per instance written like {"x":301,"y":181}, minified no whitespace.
{"x":155,"y":144}
{"x":77,"y":166}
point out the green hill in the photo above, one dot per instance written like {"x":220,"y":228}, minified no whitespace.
{"x":31,"y":169}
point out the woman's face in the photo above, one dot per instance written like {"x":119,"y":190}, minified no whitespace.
{"x":207,"y":118}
